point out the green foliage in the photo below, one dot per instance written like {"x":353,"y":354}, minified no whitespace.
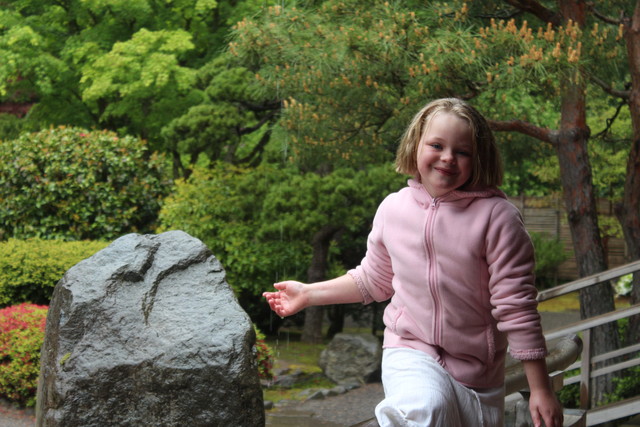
{"x":29,"y":269}
{"x":21,"y":336}
{"x":626,"y":385}
{"x":261,"y":221}
{"x":221,"y":206}
{"x":222,"y":125}
{"x":126,"y":66}
{"x":264,"y":355}
{"x":343,"y":74}
{"x":9,"y":127}
{"x":71,"y":183}
{"x":569,"y":395}
{"x":141,"y":81}
{"x":351,"y":74}
{"x":550,"y":254}
{"x":623,"y":285}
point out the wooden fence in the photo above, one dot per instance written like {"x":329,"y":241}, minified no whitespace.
{"x":624,"y":357}
{"x":547,"y":215}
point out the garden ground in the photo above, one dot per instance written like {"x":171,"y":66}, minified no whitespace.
{"x":342,"y":410}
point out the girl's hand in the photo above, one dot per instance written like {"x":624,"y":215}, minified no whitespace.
{"x":289,"y":299}
{"x":545,"y":406}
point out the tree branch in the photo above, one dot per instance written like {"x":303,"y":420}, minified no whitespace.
{"x":624,"y":94}
{"x":267,"y":106}
{"x":602,"y":17}
{"x":250,"y":129}
{"x":537,"y":9}
{"x":252,"y":157}
{"x":542,"y":134}
{"x":610,"y":121}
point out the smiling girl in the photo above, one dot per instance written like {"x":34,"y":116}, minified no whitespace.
{"x":454,"y":259}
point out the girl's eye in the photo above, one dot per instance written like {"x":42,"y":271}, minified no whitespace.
{"x":464,"y":153}
{"x":436,"y":146}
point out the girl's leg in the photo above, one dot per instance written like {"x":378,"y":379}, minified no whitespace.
{"x":419,"y":392}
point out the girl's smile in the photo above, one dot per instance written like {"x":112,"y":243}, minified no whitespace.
{"x":444,"y":154}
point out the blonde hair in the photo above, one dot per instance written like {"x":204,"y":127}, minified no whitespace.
{"x":486,"y":161}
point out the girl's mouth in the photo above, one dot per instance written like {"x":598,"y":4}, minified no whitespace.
{"x":448,"y":172}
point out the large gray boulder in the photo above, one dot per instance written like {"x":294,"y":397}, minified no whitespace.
{"x":352,"y":359}
{"x":148,"y":333}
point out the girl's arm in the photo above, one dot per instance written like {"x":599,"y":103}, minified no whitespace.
{"x":543,"y":403}
{"x":292,"y":297}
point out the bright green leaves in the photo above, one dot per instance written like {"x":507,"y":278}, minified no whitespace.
{"x":30,"y":269}
{"x":25,"y":58}
{"x":124,"y":65}
{"x":140,"y":72}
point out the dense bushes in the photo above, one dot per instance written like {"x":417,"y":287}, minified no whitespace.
{"x":75,"y":184}
{"x":261,"y":222}
{"x":30,"y":269}
{"x":222,"y":206}
{"x":549,"y":255}
{"x":21,"y":336}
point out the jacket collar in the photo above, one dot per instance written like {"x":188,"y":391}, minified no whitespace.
{"x":423,"y":197}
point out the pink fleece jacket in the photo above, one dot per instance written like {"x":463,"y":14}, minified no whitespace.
{"x":459,"y":272}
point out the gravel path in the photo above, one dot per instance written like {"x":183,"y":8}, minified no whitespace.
{"x":10,"y":416}
{"x":336,"y":411}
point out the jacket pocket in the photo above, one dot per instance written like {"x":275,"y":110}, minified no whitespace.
{"x":391,"y":316}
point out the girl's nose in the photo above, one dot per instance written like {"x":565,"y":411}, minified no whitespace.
{"x":448,"y":156}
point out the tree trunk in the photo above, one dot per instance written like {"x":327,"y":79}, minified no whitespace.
{"x":580,"y":203}
{"x":628,"y":212}
{"x":336,"y":314}
{"x":312,"y":330}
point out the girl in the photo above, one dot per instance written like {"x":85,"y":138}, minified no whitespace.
{"x":453,"y":256}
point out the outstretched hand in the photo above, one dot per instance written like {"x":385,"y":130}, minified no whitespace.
{"x":288,"y":300}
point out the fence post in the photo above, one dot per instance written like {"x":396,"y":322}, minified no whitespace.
{"x":585,"y":371}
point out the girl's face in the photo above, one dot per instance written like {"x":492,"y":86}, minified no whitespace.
{"x":444,"y":154}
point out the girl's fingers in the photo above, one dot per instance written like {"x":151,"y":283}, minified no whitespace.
{"x":280,"y":286}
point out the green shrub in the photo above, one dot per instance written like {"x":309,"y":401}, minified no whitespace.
{"x":627,"y":384}
{"x":75,"y":184}
{"x":569,"y":396}
{"x":21,"y":336}
{"x":29,"y":269}
{"x":549,"y":255}
{"x":264,"y":356}
{"x":623,"y":285}
{"x":222,"y":207}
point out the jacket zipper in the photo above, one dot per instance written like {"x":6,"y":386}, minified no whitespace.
{"x":432,"y":272}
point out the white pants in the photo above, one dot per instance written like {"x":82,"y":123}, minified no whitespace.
{"x":419,"y":392}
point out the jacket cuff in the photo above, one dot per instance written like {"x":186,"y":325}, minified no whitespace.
{"x":366,"y":296}
{"x":530,"y":354}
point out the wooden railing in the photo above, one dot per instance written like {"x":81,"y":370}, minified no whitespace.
{"x":588,"y":361}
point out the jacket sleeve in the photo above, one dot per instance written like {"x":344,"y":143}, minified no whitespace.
{"x":374,"y":275}
{"x":510,"y":258}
